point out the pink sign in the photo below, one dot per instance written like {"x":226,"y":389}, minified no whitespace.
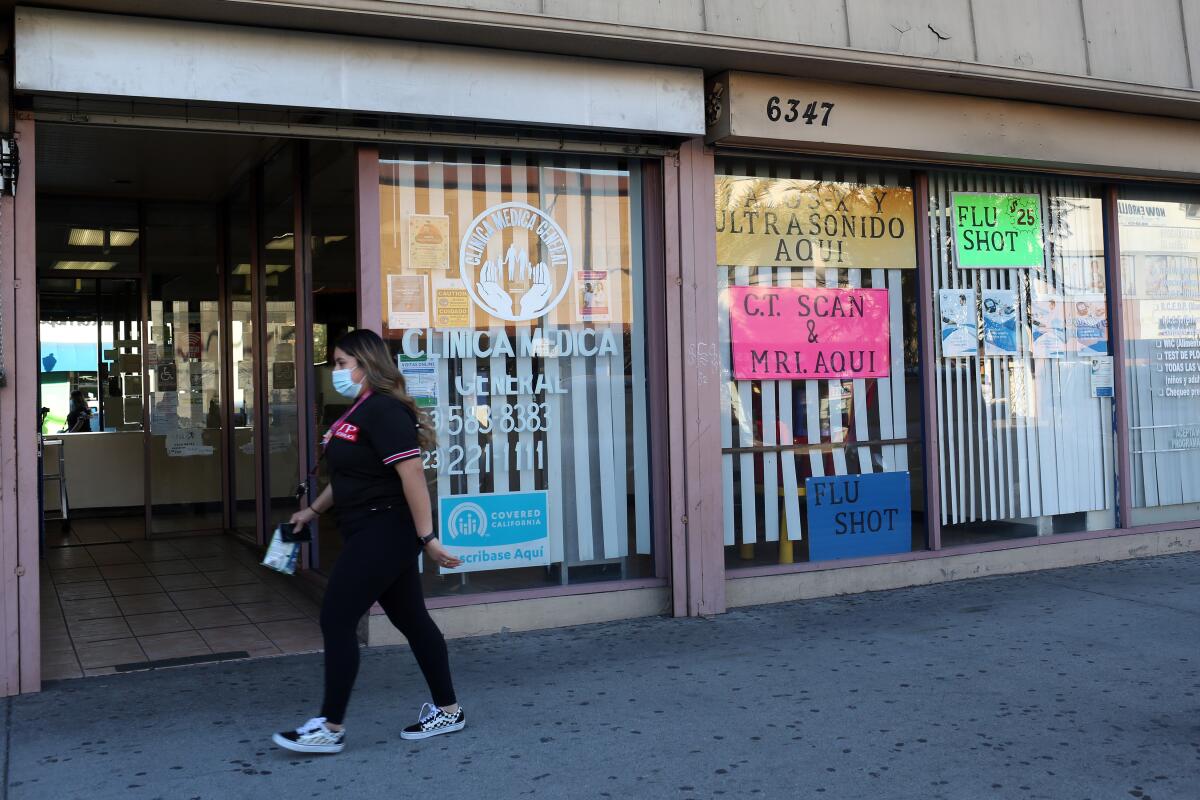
{"x":785,"y":333}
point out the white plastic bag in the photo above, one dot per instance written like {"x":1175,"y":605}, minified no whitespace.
{"x":282,"y":556}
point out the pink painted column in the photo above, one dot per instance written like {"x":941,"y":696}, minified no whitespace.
{"x":23,"y":357}
{"x":366,"y":216}
{"x":10,"y":632}
{"x":700,"y":381}
{"x":676,"y":435}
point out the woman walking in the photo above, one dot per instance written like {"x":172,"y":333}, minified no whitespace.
{"x":377,"y":484}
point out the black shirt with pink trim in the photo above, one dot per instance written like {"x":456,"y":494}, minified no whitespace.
{"x":363,"y":450}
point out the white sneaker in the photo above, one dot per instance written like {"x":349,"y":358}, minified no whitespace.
{"x":312,"y":737}
{"x":434,"y":721}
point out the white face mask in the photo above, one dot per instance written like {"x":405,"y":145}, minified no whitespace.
{"x":344,"y":384}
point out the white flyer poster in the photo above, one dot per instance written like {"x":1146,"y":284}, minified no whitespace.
{"x":420,"y":378}
{"x":187,"y":442}
{"x":408,"y":301}
{"x":960,"y":330}
{"x":1087,"y":324}
{"x":592,"y":301}
{"x":1000,"y":322}
{"x":428,"y":242}
{"x":1102,"y":376}
{"x":1047,"y":316}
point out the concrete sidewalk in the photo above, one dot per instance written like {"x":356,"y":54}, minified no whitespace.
{"x":1073,"y":684}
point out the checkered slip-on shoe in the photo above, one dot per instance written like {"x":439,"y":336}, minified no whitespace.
{"x":312,"y":737}
{"x":434,"y":721}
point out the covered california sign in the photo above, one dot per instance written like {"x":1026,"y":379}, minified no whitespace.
{"x":496,"y":531}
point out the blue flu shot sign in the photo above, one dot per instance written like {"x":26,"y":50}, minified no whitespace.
{"x":854,"y":516}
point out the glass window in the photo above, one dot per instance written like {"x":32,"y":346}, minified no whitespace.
{"x":1160,"y":287}
{"x":817,"y":277}
{"x":70,"y":346}
{"x":277,"y":253}
{"x":1022,"y":358}
{"x":239,"y":282}
{"x":513,"y":299}
{"x":183,"y":355}
{"x":89,"y":341}
{"x":121,"y":364}
{"x":331,"y":175}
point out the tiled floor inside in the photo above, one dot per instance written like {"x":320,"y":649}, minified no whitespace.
{"x":110,"y":598}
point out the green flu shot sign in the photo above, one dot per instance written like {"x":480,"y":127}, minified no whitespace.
{"x":997,"y":230}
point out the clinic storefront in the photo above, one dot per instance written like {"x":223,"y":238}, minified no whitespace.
{"x":920,"y":365}
{"x":515,"y":296}
{"x":927,"y":356}
{"x":516,"y":270}
{"x":828,"y":346}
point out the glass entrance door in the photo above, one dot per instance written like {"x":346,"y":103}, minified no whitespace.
{"x":278,"y":241}
{"x":243,"y":383}
{"x":199,"y":339}
{"x":91,"y":401}
{"x":185,"y":442}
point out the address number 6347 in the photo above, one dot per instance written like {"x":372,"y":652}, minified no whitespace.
{"x":789,"y":111}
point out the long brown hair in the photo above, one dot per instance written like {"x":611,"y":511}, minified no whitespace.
{"x":382,"y":376}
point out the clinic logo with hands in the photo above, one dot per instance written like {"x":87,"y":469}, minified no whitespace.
{"x":510,"y":284}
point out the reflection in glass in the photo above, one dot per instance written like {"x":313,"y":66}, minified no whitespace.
{"x":243,"y":376}
{"x":1025,"y":432}
{"x":121,"y":363}
{"x":558,"y":276}
{"x":277,"y":254}
{"x":70,"y":346}
{"x":819,"y":235}
{"x":1160,"y":287}
{"x":334,"y":298}
{"x":89,"y":342}
{"x":183,"y":367}
{"x":91,"y":383}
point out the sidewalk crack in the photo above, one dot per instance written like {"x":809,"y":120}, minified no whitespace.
{"x":1187,"y":611}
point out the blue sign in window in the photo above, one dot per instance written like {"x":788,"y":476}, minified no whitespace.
{"x":496,"y":531}
{"x":852,"y":516}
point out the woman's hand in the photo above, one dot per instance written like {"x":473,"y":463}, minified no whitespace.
{"x":437,"y":551}
{"x":302,"y":518}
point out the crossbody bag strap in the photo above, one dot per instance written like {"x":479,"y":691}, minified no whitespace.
{"x":302,"y":489}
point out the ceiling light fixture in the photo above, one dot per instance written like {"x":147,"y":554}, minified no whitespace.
{"x":86,"y":266}
{"x":271,"y":269}
{"x":85,"y":237}
{"x":95,"y":237}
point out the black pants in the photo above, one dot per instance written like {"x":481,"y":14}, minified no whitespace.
{"x":378,"y":563}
